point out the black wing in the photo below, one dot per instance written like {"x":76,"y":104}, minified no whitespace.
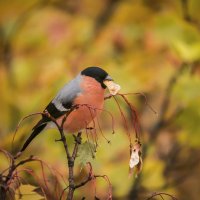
{"x":57,"y":107}
{"x":54,"y":112}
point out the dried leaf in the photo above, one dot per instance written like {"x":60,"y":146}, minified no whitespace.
{"x":27,"y":190}
{"x":139,"y":166}
{"x":135,"y":160}
{"x":112,"y":87}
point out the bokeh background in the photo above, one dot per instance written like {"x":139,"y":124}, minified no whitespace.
{"x":148,"y":46}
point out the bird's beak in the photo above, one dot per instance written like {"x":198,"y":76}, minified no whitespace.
{"x":108,"y":78}
{"x":112,"y":87}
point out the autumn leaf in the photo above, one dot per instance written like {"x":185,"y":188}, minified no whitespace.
{"x":27,"y":192}
{"x":86,"y":153}
{"x":136,"y":159}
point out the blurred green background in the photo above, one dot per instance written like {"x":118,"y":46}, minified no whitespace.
{"x":149,"y":46}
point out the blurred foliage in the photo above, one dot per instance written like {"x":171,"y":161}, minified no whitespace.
{"x":148,"y":46}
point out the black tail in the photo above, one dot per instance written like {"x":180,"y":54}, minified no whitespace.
{"x":36,"y":130}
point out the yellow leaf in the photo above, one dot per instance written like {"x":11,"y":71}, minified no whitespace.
{"x":26,"y":192}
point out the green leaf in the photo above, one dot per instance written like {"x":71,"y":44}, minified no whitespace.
{"x":86,"y":153}
{"x":186,"y":91}
{"x":187,"y":51}
{"x":181,"y":37}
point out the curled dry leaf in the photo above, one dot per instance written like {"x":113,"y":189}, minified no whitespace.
{"x":136,"y":159}
{"x":112,"y":87}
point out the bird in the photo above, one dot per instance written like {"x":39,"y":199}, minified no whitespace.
{"x":87,"y":90}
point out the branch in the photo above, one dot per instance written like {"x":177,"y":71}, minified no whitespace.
{"x":6,"y":180}
{"x":161,"y":194}
{"x":91,"y":177}
{"x":106,"y":14}
{"x":71,"y":159}
{"x":166,"y":102}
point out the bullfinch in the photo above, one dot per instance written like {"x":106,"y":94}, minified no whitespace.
{"x":87,"y":88}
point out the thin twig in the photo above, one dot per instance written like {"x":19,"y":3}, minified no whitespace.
{"x":161,"y":194}
{"x":92,"y":176}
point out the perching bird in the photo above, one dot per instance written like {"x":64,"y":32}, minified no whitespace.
{"x":87,"y":88}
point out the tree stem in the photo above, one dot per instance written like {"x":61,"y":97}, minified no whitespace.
{"x":71,"y":160}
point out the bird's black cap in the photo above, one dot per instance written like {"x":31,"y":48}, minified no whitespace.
{"x":97,"y":73}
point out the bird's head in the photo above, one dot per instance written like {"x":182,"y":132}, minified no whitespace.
{"x":102,"y":77}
